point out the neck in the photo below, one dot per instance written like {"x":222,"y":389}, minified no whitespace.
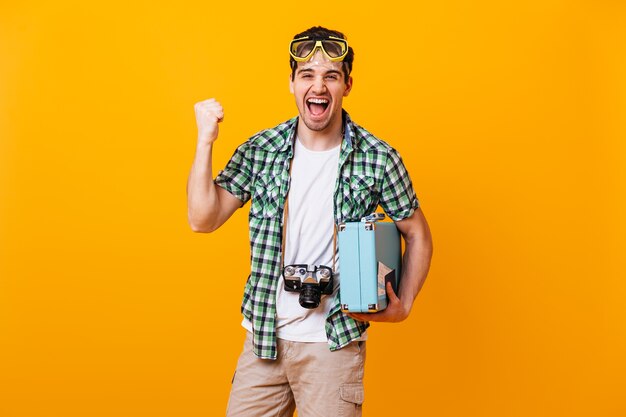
{"x":321,"y":140}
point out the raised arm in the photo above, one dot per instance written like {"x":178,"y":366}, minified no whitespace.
{"x":208,"y":205}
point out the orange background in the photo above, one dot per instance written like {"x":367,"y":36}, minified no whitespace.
{"x":509,"y":116}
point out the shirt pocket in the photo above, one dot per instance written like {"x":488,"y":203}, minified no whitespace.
{"x":359,"y":197}
{"x":265,"y":196}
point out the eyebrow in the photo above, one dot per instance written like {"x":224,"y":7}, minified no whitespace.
{"x":332,"y":71}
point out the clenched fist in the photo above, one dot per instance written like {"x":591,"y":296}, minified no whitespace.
{"x":208,"y":114}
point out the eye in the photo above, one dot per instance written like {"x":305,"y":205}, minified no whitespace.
{"x":331,"y":77}
{"x":306,"y":75}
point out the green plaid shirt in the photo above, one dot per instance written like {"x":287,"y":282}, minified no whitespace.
{"x":370,"y":173}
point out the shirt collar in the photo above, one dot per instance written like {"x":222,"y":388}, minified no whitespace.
{"x":282,"y":136}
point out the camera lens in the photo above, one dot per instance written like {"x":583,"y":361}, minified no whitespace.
{"x":310,"y":296}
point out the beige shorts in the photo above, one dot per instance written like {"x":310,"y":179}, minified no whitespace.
{"x":322,"y":383}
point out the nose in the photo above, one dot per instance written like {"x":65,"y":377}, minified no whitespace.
{"x":319,"y":86}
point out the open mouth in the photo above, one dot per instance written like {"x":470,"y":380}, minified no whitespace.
{"x":317,"y":106}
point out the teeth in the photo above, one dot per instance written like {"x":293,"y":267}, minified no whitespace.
{"x":318,"y":100}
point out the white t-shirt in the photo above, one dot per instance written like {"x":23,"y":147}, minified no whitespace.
{"x":309,"y":241}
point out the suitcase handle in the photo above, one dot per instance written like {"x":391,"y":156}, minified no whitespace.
{"x":374,"y":217}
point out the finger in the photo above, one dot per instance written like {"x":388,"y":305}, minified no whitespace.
{"x":205,"y":103}
{"x":218,"y":111}
{"x":208,"y":103}
{"x":216,"y":108}
{"x":391,"y":294}
{"x":214,"y":105}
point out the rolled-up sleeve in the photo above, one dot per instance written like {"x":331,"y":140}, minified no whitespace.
{"x":236,"y":176}
{"x":398,"y":198}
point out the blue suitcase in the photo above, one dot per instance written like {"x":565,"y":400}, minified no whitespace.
{"x":370,"y":255}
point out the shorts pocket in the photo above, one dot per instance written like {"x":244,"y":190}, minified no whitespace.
{"x":351,"y":400}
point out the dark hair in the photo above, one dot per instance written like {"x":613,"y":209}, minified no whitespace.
{"x":318,"y":31}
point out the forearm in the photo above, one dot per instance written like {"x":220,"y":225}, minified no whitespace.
{"x":415,"y":266}
{"x":202,"y":195}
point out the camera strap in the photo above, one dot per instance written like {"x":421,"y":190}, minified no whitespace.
{"x":284,"y":239}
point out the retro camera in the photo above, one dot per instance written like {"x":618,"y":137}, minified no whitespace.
{"x":310,"y":281}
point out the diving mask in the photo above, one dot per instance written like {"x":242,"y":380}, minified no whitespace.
{"x":302,"y":49}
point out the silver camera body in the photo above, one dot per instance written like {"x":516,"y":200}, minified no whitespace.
{"x":310,"y":281}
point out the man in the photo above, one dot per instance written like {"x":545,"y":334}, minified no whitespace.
{"x":304,"y":177}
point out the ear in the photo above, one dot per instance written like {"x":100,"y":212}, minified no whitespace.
{"x":348,"y":87}
{"x":290,"y":84}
